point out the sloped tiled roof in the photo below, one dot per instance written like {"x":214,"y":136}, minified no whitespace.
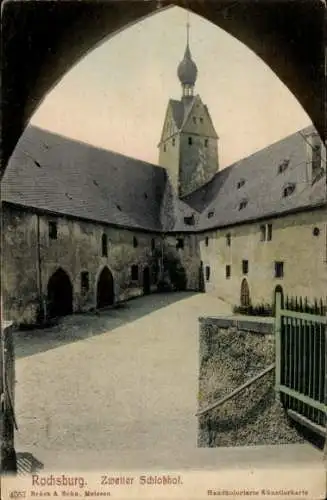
{"x":54,"y":173}
{"x":263,"y":187}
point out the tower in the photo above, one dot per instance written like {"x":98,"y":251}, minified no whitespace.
{"x":188,"y":147}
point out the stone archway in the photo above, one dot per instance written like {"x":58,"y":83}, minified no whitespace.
{"x":289,"y":39}
{"x":245,"y":294}
{"x":60,"y":294}
{"x":105,"y":289}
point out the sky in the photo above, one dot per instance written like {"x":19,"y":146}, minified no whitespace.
{"x":116,"y":96}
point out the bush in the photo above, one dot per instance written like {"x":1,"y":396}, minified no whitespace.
{"x":257,"y":310}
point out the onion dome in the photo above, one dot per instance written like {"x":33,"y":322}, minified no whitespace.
{"x":187,"y":70}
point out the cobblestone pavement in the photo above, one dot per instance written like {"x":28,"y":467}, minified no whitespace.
{"x":118,"y":389}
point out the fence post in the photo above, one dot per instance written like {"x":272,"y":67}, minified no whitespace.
{"x":278,"y":329}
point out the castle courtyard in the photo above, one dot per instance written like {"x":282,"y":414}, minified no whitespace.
{"x":118,"y":390}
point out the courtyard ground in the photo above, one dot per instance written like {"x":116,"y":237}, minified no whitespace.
{"x":119,"y":390}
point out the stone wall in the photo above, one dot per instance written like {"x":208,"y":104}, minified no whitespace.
{"x":31,"y":257}
{"x":293,"y":242}
{"x":229,"y":357}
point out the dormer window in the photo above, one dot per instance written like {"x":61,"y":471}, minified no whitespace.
{"x":242,"y":204}
{"x":283,"y":165}
{"x":210,"y":214}
{"x":240,"y":183}
{"x":288,"y":190}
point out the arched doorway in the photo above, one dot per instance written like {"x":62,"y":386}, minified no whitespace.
{"x":245,"y":294}
{"x":105,"y":289}
{"x":278,"y":289}
{"x":146,"y":280}
{"x":60,"y":294}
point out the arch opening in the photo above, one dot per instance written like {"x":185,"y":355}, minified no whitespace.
{"x":105,"y":289}
{"x":60,"y":294}
{"x":245,"y":294}
{"x":146,"y":280}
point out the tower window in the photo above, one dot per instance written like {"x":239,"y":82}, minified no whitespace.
{"x":242,"y":204}
{"x":201,"y":119}
{"x":85,"y":282}
{"x":269,"y":232}
{"x":179,"y":243}
{"x":173,"y":141}
{"x":245,"y":266}
{"x":153,"y":244}
{"x":104,"y":244}
{"x":207,"y":273}
{"x":135,"y":272}
{"x":190,"y":141}
{"x":164,"y":148}
{"x":210,"y":214}
{"x":206,"y":142}
{"x":190,"y":221}
{"x":228,"y":271}
{"x":194,"y":119}
{"x":279,"y":269}
{"x":207,"y":241}
{"x":53,"y":230}
{"x":288,"y":190}
{"x":135,"y":242}
{"x":240,"y":183}
{"x":263,"y":232}
{"x":283,"y":165}
{"x":228,"y":239}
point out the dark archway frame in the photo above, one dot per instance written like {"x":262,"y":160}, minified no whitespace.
{"x":42,"y":40}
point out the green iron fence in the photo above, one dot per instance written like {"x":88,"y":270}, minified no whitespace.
{"x":301,"y":360}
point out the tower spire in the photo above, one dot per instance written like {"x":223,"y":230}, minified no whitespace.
{"x":187,"y":70}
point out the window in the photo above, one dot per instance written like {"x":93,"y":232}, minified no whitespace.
{"x":240,"y":183}
{"x":135,"y":272}
{"x":53,"y":231}
{"x":263,"y":232}
{"x":242,"y":204}
{"x":228,"y":271}
{"x":210,"y":214}
{"x":288,"y":190}
{"x":317,"y":170}
{"x":269,"y":232}
{"x":283,"y":165}
{"x":179,"y":243}
{"x":316,"y":231}
{"x":189,"y":220}
{"x":153,"y":244}
{"x":201,"y":119}
{"x":207,"y":241}
{"x":85,"y":282}
{"x":135,"y":242}
{"x":194,"y":119}
{"x":104,"y":244}
{"x":190,"y":141}
{"x":206,"y":142}
{"x":228,"y":239}
{"x":207,"y":273}
{"x":245,"y":266}
{"x":164,"y":148}
{"x":173,"y":141}
{"x":279,"y":269}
